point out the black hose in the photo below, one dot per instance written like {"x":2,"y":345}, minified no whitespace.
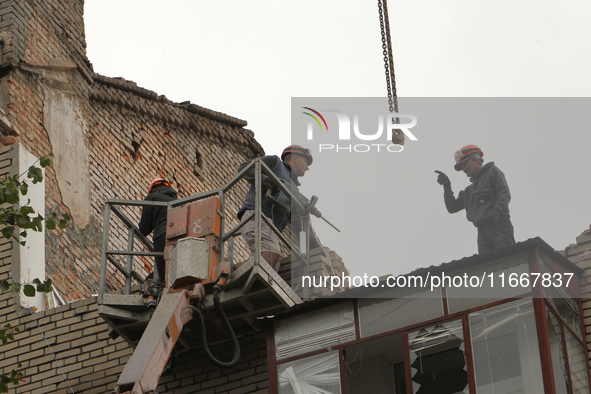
{"x":236,"y":345}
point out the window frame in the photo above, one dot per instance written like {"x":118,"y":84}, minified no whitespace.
{"x":540,"y":303}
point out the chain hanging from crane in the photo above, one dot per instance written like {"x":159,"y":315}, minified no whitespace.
{"x":397,"y":135}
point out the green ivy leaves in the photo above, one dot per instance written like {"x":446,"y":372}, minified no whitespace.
{"x":30,"y":290}
{"x":15,"y":221}
{"x":7,"y":334}
{"x":25,"y":218}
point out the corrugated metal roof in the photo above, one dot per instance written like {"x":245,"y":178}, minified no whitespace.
{"x":454,"y":265}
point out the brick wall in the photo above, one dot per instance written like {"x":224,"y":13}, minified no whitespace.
{"x":580,"y":254}
{"x":197,"y":375}
{"x":92,"y":362}
{"x":110,"y":137}
{"x":42,"y":32}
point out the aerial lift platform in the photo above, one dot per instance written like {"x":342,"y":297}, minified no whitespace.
{"x":204,"y":291}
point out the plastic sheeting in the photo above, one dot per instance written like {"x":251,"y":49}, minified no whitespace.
{"x":312,"y":375}
{"x":505,"y":349}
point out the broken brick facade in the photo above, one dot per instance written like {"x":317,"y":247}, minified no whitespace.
{"x":109,"y":137}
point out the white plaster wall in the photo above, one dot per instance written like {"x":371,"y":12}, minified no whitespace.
{"x":67,"y":131}
{"x":32,"y":255}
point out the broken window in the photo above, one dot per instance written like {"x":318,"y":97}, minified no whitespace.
{"x":375,"y":366}
{"x":505,"y":349}
{"x":311,"y":375}
{"x":557,"y":349}
{"x":561,"y":299}
{"x":574,"y":353}
{"x":577,"y":363}
{"x":438,"y":362}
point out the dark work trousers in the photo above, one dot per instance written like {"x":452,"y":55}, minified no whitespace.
{"x":496,"y":237}
{"x":159,"y":242}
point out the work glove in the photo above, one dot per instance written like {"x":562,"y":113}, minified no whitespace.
{"x":488,"y":220}
{"x":442,"y":179}
{"x":268,"y":184}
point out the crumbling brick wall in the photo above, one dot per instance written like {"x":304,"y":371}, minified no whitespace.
{"x":109,"y":137}
{"x":39,"y":32}
{"x":580,"y":254}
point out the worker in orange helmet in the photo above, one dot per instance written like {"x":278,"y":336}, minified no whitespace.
{"x":486,"y":200}
{"x":154,"y":219}
{"x":293,"y":164}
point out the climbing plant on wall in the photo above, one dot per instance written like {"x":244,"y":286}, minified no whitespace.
{"x":16,"y":219}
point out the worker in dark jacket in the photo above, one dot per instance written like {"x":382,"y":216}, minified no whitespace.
{"x":154,"y":219}
{"x":294,"y":163}
{"x":486,"y":200}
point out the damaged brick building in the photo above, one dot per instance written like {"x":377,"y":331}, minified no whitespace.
{"x":109,"y":138}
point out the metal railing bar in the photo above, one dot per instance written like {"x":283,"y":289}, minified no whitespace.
{"x":275,"y":229}
{"x":119,"y":267}
{"x":200,"y":196}
{"x":130,"y":239}
{"x":257,"y":210}
{"x":132,"y":225}
{"x":137,"y":277}
{"x":238,"y":177}
{"x":231,"y":254}
{"x":103,"y":273}
{"x":127,"y":275}
{"x":267,"y":171}
{"x":134,"y":253}
{"x":137,"y":203}
{"x":222,"y":223}
{"x":281,"y":236}
{"x":235,"y":230}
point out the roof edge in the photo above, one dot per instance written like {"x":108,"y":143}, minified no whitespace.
{"x":469,"y":261}
{"x":130,"y":86}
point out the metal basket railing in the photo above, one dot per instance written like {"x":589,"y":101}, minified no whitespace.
{"x":113,"y":207}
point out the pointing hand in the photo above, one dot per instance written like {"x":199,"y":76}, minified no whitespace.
{"x":442,"y":179}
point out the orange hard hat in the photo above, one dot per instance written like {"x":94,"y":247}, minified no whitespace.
{"x":158,"y":182}
{"x":297,"y":150}
{"x":461,"y":156}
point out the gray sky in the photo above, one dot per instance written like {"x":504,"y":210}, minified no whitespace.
{"x":249,"y":58}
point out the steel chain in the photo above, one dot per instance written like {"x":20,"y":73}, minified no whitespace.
{"x":386,"y":57}
{"x":397,"y":136}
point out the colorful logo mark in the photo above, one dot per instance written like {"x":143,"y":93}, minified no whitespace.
{"x":315,"y":118}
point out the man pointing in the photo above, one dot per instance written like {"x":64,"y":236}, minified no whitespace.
{"x":486,"y":200}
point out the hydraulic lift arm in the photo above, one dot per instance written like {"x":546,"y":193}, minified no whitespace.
{"x":142,"y":372}
{"x":193,"y":263}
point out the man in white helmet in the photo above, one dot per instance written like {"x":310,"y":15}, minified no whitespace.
{"x":293,"y":164}
{"x":486,"y":200}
